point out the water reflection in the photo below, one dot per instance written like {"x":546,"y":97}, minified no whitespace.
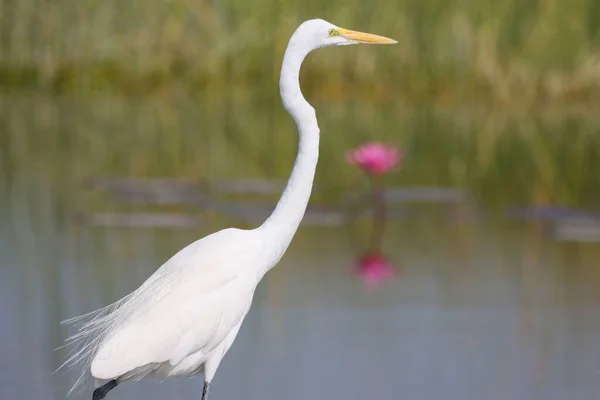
{"x":491,"y":308}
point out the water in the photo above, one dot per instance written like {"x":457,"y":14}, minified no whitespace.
{"x":491,"y":307}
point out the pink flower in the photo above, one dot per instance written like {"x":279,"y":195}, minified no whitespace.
{"x":374,"y":268}
{"x":375,"y":158}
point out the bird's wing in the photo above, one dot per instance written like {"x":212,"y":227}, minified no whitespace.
{"x":190,"y":304}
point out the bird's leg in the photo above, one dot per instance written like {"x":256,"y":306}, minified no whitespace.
{"x":100,"y":392}
{"x":205,"y":390}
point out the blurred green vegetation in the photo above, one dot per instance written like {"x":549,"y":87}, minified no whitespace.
{"x":508,"y":51}
{"x":188,"y":88}
{"x":500,"y":158}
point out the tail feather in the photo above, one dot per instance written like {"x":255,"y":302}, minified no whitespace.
{"x":93,"y":327}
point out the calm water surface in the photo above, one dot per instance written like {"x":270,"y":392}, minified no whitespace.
{"x":481,"y":310}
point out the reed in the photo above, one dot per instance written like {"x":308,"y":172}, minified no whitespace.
{"x":506,"y":51}
{"x":497,"y":157}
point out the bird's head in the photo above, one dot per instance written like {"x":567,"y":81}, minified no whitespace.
{"x":320,"y":33}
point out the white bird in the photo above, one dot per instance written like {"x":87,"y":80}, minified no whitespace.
{"x":184,"y":318}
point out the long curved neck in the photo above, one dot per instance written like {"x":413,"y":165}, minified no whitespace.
{"x":285,"y":219}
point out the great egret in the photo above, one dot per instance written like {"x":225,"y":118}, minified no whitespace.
{"x":184,"y":318}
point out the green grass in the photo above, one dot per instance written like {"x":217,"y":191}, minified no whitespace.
{"x":450,"y":51}
{"x":494,"y":96}
{"x":501,"y":158}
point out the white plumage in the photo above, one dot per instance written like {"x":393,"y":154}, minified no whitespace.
{"x":206,"y":292}
{"x":185,"y":317}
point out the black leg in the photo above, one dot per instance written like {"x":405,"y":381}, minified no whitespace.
{"x":205,"y":390}
{"x":100,"y":393}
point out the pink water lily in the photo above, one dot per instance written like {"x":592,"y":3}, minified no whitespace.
{"x":374,"y":269}
{"x":375,"y":158}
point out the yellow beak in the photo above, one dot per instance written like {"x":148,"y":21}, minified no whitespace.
{"x":361,"y":37}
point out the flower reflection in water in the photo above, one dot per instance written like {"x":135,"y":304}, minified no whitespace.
{"x":374,"y":268}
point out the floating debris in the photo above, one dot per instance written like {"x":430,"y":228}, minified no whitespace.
{"x":202,"y":196}
{"x":415,"y":195}
{"x":576,"y":230}
{"x":549,"y":213}
{"x":147,"y":191}
{"x":247,"y":186}
{"x":139,"y":220}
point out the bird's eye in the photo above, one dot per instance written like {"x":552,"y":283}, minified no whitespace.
{"x":333,"y":32}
